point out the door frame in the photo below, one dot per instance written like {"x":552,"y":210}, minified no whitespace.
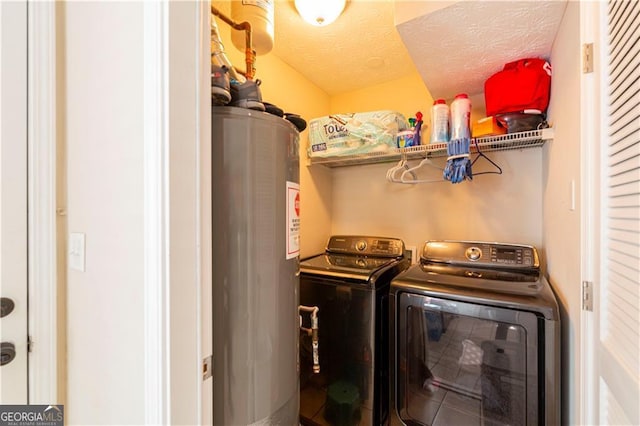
{"x":592,"y":135}
{"x":44,"y":357}
{"x":176,"y":118}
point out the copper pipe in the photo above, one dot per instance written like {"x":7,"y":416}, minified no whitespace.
{"x":249,"y":53}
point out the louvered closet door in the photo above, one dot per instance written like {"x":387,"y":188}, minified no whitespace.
{"x":619,"y":312}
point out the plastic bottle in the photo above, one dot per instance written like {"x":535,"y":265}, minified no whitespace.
{"x":460,"y":117}
{"x":439,"y":121}
{"x":418,"y":129}
{"x":412,"y":137}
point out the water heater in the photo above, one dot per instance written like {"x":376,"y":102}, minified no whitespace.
{"x":255,"y":204}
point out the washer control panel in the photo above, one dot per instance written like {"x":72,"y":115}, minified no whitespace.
{"x":366,"y":246}
{"x":487,"y":254}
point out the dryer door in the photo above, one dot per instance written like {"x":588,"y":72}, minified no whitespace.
{"x":461,"y":363}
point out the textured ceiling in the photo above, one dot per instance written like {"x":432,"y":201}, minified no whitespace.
{"x":361,"y":48}
{"x":458,"y":47}
{"x":455,"y":46}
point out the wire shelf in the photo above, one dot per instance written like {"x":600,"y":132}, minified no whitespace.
{"x":510,"y":141}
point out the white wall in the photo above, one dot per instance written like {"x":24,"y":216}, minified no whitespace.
{"x":504,"y":208}
{"x":101,"y":83}
{"x":561,"y":221}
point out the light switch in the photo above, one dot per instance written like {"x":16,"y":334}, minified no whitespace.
{"x":76,"y":251}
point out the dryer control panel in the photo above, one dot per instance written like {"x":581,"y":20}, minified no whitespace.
{"x":479,"y":253}
{"x":366,"y":246}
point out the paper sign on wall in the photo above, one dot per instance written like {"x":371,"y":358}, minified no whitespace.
{"x":293,"y":220}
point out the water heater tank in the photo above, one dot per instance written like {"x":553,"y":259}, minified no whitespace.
{"x":255,"y":204}
{"x":260,"y":14}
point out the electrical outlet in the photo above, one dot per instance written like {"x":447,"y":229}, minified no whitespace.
{"x":414,"y":252}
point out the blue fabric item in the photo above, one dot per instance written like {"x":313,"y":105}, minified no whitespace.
{"x":458,"y":169}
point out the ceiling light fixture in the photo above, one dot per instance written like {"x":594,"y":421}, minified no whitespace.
{"x":320,"y":12}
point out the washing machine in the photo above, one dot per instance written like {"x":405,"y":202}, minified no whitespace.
{"x":475,"y":338}
{"x":344,"y":372}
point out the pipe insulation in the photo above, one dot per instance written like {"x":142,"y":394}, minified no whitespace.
{"x":218,"y":55}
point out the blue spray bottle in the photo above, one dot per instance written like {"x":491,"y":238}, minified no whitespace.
{"x":418,"y":126}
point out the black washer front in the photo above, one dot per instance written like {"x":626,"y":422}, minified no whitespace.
{"x":349,"y":283}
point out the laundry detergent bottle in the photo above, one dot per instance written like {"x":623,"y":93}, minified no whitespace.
{"x":461,"y":117}
{"x":440,"y":122}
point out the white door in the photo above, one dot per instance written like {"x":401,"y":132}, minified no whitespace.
{"x":13,"y":201}
{"x":613,"y":380}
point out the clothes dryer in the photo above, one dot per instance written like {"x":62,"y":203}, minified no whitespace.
{"x":475,"y":338}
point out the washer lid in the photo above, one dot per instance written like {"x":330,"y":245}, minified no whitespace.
{"x":345,"y":266}
{"x":523,"y":291}
{"x":484,"y":279}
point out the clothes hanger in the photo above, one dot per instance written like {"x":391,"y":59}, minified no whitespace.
{"x":481,"y":154}
{"x":426,"y":162}
{"x":393,"y":169}
{"x":403,"y":165}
